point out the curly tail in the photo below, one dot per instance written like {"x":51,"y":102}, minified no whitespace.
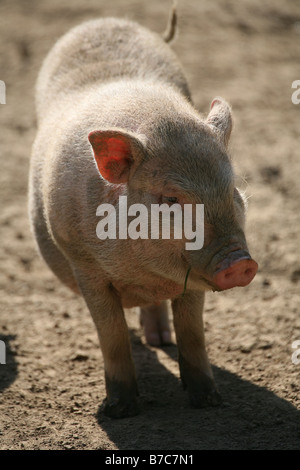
{"x":170,"y":32}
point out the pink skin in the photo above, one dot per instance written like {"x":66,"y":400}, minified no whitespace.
{"x":235,"y":272}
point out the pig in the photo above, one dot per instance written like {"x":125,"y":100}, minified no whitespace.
{"x":116,"y":118}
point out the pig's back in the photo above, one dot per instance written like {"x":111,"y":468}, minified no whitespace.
{"x":104,"y":50}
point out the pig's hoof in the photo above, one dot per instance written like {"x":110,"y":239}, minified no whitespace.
{"x":202,"y":400}
{"x":162,"y":338}
{"x":118,"y":409}
{"x":200,"y":385}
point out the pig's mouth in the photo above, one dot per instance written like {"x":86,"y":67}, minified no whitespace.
{"x":198,"y":279}
{"x":210,"y":284}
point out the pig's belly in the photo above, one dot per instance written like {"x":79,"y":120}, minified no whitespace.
{"x":137,"y":295}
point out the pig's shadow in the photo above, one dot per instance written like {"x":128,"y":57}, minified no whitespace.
{"x":9,"y":370}
{"x":251,"y":417}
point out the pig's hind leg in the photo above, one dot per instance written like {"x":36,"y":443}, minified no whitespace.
{"x":155,"y":321}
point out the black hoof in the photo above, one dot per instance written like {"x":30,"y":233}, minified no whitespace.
{"x":117,"y":409}
{"x":203,"y":400}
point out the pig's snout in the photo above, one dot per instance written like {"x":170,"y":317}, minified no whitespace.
{"x":237,"y":269}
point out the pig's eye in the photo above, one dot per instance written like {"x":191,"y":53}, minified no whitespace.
{"x":170,"y":199}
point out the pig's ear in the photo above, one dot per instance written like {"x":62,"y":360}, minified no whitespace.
{"x":220,"y":119}
{"x":116,"y":153}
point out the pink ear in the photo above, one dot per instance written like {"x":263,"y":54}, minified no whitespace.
{"x":215,"y":101}
{"x":112,"y":155}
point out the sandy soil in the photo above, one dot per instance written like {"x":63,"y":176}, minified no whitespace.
{"x":52,"y":385}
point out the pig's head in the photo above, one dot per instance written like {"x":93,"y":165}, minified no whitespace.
{"x":181,"y":159}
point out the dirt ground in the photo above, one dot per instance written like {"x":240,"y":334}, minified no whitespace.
{"x":52,"y":384}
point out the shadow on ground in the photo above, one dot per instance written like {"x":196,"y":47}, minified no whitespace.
{"x":251,"y":417}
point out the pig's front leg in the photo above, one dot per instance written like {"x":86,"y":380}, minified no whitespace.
{"x":195,"y":370}
{"x":108,"y":316}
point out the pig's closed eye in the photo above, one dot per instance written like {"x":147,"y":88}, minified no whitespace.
{"x":169,"y":200}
